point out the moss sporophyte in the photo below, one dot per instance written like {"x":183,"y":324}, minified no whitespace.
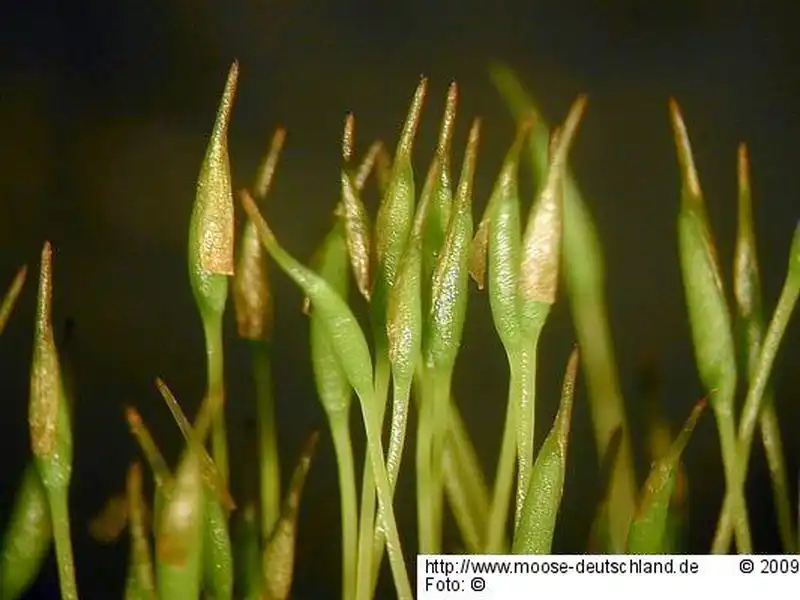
{"x":406,"y":266}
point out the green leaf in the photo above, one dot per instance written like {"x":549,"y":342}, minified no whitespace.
{"x":181,"y":521}
{"x":278,"y":557}
{"x":747,"y":293}
{"x":140,"y":583}
{"x":534,"y":534}
{"x":649,"y":526}
{"x":27,"y":538}
{"x":333,"y":387}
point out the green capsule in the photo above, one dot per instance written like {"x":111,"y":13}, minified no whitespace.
{"x":534,"y":534}
{"x":252,"y":294}
{"x":50,"y":427}
{"x":496,"y":247}
{"x":277,"y":561}
{"x":27,"y":537}
{"x":705,"y":297}
{"x":356,"y":220}
{"x":445,"y":321}
{"x":648,"y":531}
{"x":394,"y":219}
{"x":709,"y":318}
{"x":584,"y":279}
{"x":140,"y":582}
{"x":404,"y":332}
{"x":211,"y":248}
{"x":211,"y":254}
{"x":441,"y":201}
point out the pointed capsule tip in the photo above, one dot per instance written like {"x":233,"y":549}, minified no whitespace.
{"x":452,"y":90}
{"x":674,"y":109}
{"x":526,"y":123}
{"x":279,"y":136}
{"x":132,"y":416}
{"x":348,"y":137}
{"x":45,"y":288}
{"x":135,"y":473}
{"x":475,"y":131}
{"x":579,"y":105}
{"x":47,"y":252}
{"x":684,"y":147}
{"x":743,"y":165}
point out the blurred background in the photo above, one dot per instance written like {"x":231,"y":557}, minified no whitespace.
{"x":105,"y":109}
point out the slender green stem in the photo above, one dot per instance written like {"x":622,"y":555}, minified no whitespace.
{"x":773,"y":449}
{"x":270,"y":479}
{"x":431,"y":438}
{"x":397,"y":437}
{"x":212,"y":327}
{"x":525,"y":418}
{"x":752,"y":406}
{"x":343,"y":447}
{"x":465,"y":484}
{"x":366,"y":523}
{"x":59,"y":513}
{"x":385,"y":507}
{"x":441,"y":383}
{"x":426,"y":514}
{"x":401,"y":394}
{"x":504,"y":479}
{"x":727,"y":438}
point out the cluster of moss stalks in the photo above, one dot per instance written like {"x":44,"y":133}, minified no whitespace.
{"x":414,"y":269}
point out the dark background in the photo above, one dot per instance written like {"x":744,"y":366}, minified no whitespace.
{"x":104,"y":112}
